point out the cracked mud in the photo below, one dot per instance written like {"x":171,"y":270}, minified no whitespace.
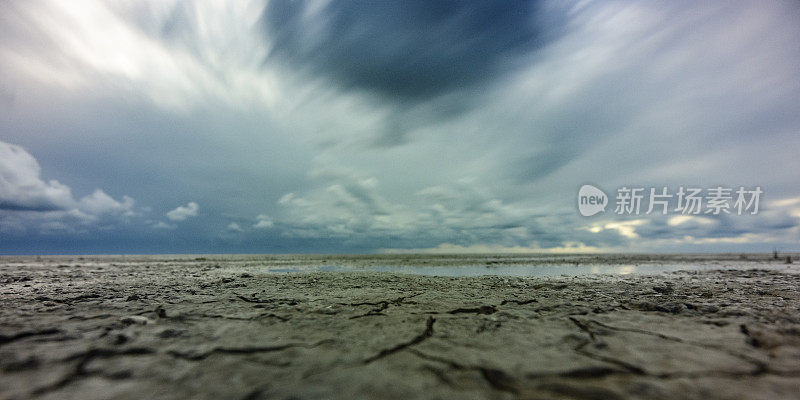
{"x":176,"y":328}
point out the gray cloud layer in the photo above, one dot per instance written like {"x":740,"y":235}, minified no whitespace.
{"x":361,"y":126}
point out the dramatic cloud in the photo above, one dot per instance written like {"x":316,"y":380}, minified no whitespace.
{"x":409,"y":50}
{"x":182,"y":212}
{"x":391,"y":126}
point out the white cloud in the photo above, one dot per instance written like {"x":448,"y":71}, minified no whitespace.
{"x":353,"y":206}
{"x":624,"y":228}
{"x":263,"y":222}
{"x":27,"y":201}
{"x":684,"y":219}
{"x":21,"y":187}
{"x":786,"y":202}
{"x":99,"y":203}
{"x":99,"y":43}
{"x":234,"y":227}
{"x":164,"y":225}
{"x":183,"y":212}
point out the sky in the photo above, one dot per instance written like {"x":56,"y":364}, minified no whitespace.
{"x":173,"y":126}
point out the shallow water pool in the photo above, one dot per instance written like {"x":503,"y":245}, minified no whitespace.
{"x":540,"y":269}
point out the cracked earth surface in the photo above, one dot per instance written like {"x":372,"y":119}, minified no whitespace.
{"x":149,"y":329}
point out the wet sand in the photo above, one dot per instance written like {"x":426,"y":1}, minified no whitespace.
{"x":224,"y":327}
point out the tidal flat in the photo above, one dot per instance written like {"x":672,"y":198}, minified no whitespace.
{"x":400,"y":327}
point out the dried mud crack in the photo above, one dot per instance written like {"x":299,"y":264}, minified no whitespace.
{"x":427,"y":333}
{"x":175,"y":328}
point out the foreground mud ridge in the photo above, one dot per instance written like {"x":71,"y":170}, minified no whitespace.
{"x":203,"y":329}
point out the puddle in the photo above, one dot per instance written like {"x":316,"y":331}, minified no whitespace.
{"x":539,"y":269}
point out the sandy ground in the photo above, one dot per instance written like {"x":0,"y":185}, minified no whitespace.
{"x":99,"y":328}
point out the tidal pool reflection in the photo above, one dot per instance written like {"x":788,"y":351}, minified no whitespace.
{"x":538,"y":269}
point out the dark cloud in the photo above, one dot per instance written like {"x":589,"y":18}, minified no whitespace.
{"x":359,"y":126}
{"x":37,"y":205}
{"x":407,"y":50}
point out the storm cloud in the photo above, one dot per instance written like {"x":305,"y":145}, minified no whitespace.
{"x":357,"y":126}
{"x":411,"y":50}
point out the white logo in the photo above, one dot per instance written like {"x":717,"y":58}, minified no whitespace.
{"x":591,"y":200}
{"x":689,"y":200}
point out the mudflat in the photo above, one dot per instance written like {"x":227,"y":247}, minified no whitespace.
{"x":231,"y":327}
